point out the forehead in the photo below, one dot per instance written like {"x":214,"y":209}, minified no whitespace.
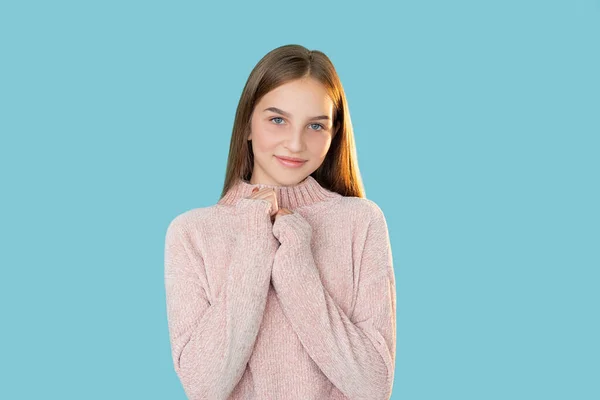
{"x":300,"y":96}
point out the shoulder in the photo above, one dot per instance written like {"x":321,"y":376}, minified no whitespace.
{"x":191,"y":219}
{"x":365,"y":209}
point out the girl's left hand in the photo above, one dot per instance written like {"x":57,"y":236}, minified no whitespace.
{"x":292,"y":229}
{"x":281,"y":211}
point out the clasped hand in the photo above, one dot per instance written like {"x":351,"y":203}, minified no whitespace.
{"x":294,"y":229}
{"x":269,"y":195}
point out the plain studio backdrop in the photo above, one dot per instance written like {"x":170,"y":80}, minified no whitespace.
{"x":477,"y":129}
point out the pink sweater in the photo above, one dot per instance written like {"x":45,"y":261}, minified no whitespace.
{"x":303,"y":308}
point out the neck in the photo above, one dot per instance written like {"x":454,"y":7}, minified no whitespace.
{"x":301,"y":194}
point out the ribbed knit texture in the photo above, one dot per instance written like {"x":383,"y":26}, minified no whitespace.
{"x":303,"y":308}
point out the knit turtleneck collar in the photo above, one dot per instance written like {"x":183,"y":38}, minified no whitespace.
{"x":301,"y":194}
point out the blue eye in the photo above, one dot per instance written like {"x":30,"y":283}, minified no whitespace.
{"x":274,"y":118}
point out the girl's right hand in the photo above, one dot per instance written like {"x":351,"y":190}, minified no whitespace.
{"x":266,"y":194}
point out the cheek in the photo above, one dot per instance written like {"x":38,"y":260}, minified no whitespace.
{"x":263,"y":139}
{"x":319,"y":145}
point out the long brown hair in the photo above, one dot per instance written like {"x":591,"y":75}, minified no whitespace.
{"x":339,"y":171}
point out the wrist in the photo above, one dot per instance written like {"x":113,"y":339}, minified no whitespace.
{"x":292,"y":229}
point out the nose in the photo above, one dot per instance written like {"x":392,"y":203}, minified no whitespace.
{"x":295,"y":142}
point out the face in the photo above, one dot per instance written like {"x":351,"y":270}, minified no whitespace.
{"x":294,"y":120}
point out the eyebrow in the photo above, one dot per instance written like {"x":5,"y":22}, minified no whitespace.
{"x":287,"y":114}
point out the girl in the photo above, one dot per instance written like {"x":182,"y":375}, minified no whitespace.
{"x":285,"y":288}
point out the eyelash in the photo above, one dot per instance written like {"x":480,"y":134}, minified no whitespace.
{"x":315,"y":123}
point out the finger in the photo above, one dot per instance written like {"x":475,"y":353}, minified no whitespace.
{"x":258,"y":192}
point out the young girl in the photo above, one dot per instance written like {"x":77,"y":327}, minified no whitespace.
{"x":285,"y":288}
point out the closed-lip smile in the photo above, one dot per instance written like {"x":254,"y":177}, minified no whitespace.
{"x":291,"y":158}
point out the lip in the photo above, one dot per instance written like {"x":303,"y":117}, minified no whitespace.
{"x":291,"y":158}
{"x":287,"y":162}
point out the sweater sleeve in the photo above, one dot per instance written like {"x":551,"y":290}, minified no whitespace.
{"x":211,"y":342}
{"x":356,"y":352}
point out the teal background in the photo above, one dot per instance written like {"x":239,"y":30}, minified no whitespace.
{"x":477,"y":128}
